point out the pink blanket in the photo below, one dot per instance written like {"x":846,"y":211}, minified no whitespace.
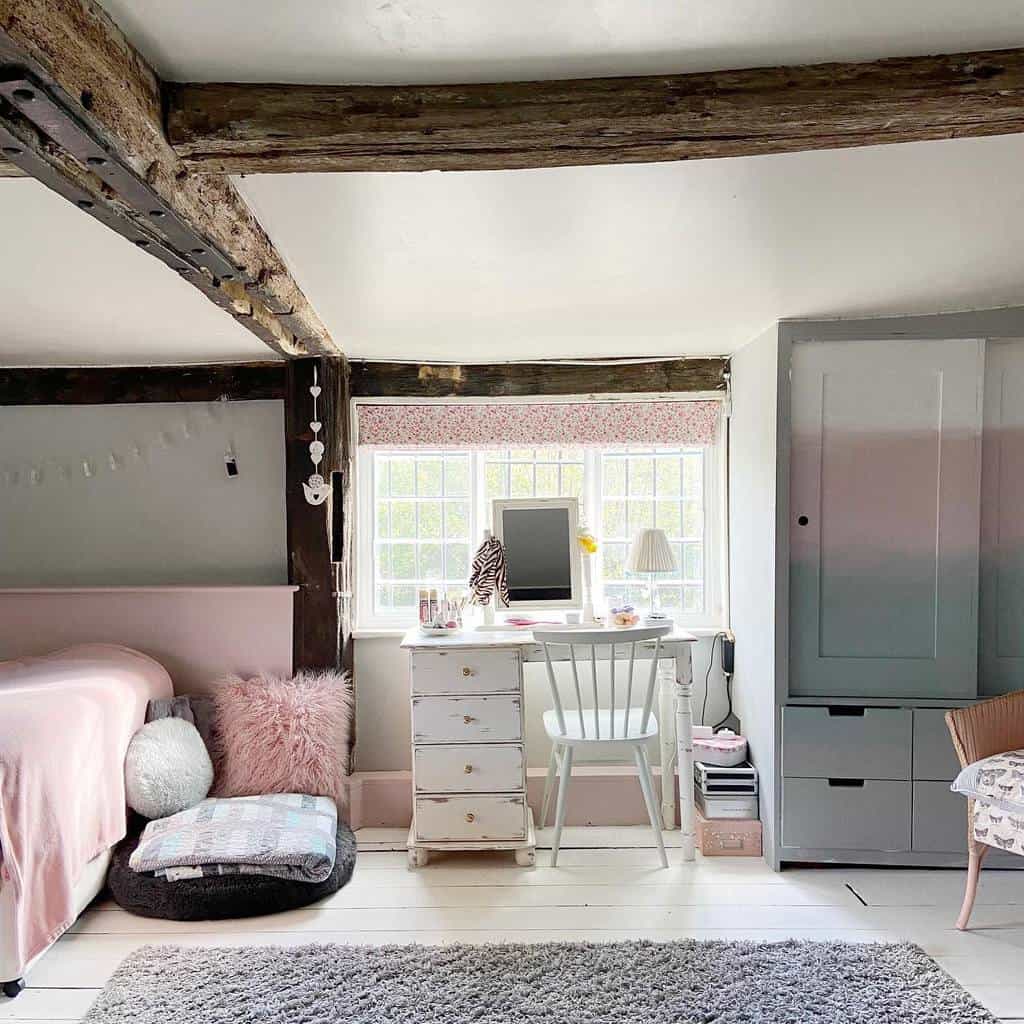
{"x":65,"y":723}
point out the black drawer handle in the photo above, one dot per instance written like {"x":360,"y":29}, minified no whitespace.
{"x":846,"y":783}
{"x":845,"y":711}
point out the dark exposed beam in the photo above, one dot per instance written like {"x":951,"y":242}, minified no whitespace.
{"x":507,"y":380}
{"x":82,"y":111}
{"x":319,"y":636}
{"x":108,"y":385}
{"x":233,"y":128}
{"x":9,"y":170}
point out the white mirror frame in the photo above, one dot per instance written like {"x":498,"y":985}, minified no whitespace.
{"x":571,"y":505}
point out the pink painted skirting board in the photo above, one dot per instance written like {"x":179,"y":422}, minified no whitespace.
{"x":599,"y":795}
{"x":198,"y":634}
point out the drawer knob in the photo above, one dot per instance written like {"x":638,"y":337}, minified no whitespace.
{"x":468,"y":769}
{"x":467,"y":671}
{"x":470,"y":817}
{"x":468,"y":719}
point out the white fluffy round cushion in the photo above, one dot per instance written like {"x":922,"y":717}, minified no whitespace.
{"x":167,"y":768}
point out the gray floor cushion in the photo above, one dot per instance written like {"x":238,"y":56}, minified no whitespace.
{"x":221,"y":896}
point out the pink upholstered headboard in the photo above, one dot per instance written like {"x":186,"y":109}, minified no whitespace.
{"x":197,"y":633}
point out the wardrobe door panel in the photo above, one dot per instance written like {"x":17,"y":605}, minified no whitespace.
{"x":886,"y":468}
{"x":1002,"y":520}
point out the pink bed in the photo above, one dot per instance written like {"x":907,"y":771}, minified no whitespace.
{"x":65,"y":723}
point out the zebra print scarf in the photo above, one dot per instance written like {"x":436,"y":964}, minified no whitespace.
{"x":490,"y":573}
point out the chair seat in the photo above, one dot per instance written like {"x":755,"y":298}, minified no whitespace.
{"x":627,"y":729}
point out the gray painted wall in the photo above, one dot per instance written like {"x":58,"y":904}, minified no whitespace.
{"x":167,"y":514}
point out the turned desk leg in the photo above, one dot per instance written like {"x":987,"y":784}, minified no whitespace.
{"x":684,"y":749}
{"x":667,"y":724}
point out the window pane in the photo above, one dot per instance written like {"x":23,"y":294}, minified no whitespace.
{"x":693,"y":565}
{"x":547,"y":482}
{"x":456,"y":519}
{"x":669,"y":598}
{"x":572,"y":481}
{"x":431,"y":567}
{"x":403,"y":477}
{"x":383,"y":520}
{"x":456,"y":476}
{"x":613,"y":476}
{"x":495,"y":481}
{"x":403,"y":519}
{"x":456,"y":562}
{"x":669,"y":517}
{"x":615,"y":519}
{"x":403,"y":562}
{"x":383,"y":595}
{"x":693,"y":519}
{"x":693,"y":475}
{"x":404,"y":597}
{"x":522,"y":481}
{"x":669,"y":477}
{"x":641,"y":477}
{"x":614,"y":561}
{"x":430,"y":519}
{"x":693,"y":599}
{"x":428,"y":478}
{"x":641,"y":516}
{"x":380,"y":474}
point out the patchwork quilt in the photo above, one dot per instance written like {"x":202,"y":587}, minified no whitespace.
{"x":286,"y":835}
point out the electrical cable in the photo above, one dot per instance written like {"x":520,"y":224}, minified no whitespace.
{"x":728,"y":698}
{"x":707,"y":678}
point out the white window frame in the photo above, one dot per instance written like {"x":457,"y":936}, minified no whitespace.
{"x":716,"y":554}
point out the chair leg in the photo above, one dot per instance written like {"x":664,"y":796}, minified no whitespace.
{"x":977,"y":855}
{"x":647,"y":786}
{"x":549,"y":785}
{"x":563,"y":789}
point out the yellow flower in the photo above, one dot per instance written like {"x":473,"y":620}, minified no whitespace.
{"x":587,"y":542}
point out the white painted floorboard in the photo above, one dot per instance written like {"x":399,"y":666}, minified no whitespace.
{"x":596,"y":893}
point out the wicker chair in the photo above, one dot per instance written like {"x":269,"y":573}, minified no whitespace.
{"x":982,"y":730}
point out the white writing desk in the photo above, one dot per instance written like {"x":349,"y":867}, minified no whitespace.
{"x":481,"y":666}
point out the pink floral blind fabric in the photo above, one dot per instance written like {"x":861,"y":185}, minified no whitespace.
{"x":521,"y":425}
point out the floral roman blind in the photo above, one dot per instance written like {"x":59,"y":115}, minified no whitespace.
{"x":498,"y":424}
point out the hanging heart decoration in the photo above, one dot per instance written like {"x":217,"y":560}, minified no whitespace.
{"x":316,"y":489}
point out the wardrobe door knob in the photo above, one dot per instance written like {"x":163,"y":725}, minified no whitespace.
{"x":468,"y":769}
{"x":467,"y":671}
{"x":470,"y":818}
{"x":468,"y":719}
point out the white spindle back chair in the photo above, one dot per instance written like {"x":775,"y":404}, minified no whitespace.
{"x":572,"y":726}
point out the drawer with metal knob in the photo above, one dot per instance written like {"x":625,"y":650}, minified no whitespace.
{"x":471,"y":818}
{"x":465,"y":671}
{"x":497,"y":719}
{"x":469,"y":769}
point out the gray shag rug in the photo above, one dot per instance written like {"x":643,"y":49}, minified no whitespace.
{"x":686,"y":982}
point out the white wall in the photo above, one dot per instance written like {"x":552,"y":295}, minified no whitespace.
{"x":382,"y":717}
{"x":169,"y":515}
{"x":753,"y":451}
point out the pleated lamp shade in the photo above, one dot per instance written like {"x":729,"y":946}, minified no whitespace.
{"x":651,"y":552}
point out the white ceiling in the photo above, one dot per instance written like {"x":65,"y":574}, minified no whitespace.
{"x":407,"y":41}
{"x":634,"y":260}
{"x":648,"y":259}
{"x":74,"y":293}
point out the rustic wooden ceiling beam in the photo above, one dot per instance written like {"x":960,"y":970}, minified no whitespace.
{"x":511,"y":380}
{"x":83,"y":112}
{"x":231,"y":128}
{"x":108,"y":385}
{"x":9,"y":170}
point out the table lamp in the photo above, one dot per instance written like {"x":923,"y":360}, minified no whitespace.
{"x":651,"y":553}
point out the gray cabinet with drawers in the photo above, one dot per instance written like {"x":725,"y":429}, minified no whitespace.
{"x":864,"y":782}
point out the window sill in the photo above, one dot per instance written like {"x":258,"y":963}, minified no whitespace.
{"x":397,"y":632}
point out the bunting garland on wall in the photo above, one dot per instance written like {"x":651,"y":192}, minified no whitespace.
{"x":134,"y":453}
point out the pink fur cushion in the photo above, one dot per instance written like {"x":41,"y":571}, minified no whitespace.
{"x":283,"y":735}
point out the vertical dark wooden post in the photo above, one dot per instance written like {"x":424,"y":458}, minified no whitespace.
{"x":316,"y":637}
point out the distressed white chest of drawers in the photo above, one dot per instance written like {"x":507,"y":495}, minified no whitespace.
{"x":468,"y":743}
{"x":468,"y":750}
